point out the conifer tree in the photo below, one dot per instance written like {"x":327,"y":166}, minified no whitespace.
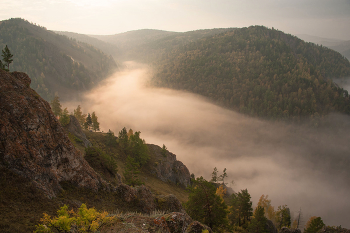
{"x":79,"y":115}
{"x":95,"y":123}
{"x":56,"y":106}
{"x":314,"y":225}
{"x":65,"y":119}
{"x":205,"y":206}
{"x":241,"y":209}
{"x":138,"y":149}
{"x":123,"y":139}
{"x":258,"y":224}
{"x":88,"y":122}
{"x":110,"y":138}
{"x":214,"y":175}
{"x":6,"y":54}
{"x":131,"y":171}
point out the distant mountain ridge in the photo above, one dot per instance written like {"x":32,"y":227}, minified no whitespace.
{"x":259,"y":71}
{"x":341,"y":46}
{"x":55,"y":63}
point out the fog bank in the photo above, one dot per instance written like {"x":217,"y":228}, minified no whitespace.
{"x":301,"y":167}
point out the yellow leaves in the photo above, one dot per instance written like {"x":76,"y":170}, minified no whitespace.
{"x":221,"y":191}
{"x":85,"y":220}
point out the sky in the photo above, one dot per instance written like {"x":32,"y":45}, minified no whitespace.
{"x":323,"y":18}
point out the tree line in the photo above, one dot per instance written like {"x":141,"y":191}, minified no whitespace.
{"x":206,"y":204}
{"x":86,"y":121}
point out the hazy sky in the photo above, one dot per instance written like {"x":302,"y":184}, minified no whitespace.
{"x":325,"y":18}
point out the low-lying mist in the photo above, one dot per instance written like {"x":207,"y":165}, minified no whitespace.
{"x":301,"y":167}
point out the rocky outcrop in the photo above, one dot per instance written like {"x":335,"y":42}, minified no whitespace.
{"x":75,"y":128}
{"x":33,"y":143}
{"x":174,"y":222}
{"x":288,"y":230}
{"x":167,"y":168}
{"x":270,"y":226}
{"x":143,"y":199}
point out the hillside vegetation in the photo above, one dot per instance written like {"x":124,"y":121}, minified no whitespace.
{"x":55,"y":63}
{"x":260,"y":72}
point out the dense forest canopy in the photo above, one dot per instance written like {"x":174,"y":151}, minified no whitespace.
{"x":259,"y":71}
{"x":55,"y":63}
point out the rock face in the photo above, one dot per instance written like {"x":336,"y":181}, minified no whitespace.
{"x":33,"y":143}
{"x":142,"y":197}
{"x":288,"y":230}
{"x":168,"y":169}
{"x":270,"y":226}
{"x":75,"y":128}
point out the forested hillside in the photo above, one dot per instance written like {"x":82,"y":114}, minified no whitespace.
{"x":55,"y":63}
{"x":259,"y":71}
{"x":149,"y":45}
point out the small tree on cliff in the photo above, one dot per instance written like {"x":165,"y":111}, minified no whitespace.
{"x":95,"y":123}
{"x":88,"y":122}
{"x":56,"y":106}
{"x":79,"y":115}
{"x":6,"y":54}
{"x":65,"y":119}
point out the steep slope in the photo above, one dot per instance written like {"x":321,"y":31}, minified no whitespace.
{"x":42,"y":170}
{"x":55,"y":63}
{"x":259,"y":71}
{"x":33,"y":143}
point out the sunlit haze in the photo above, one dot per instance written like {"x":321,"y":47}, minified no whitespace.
{"x":323,"y":18}
{"x":264,"y":157}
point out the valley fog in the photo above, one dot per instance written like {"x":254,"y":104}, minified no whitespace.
{"x":301,"y":167}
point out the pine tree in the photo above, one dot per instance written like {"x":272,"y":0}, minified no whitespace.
{"x":6,"y":54}
{"x":110,"y":138}
{"x":214,"y":175}
{"x":258,"y":224}
{"x":131,"y":171}
{"x":56,"y":106}
{"x":95,"y":123}
{"x":241,"y":209}
{"x":283,"y":218}
{"x":138,"y":149}
{"x":164,"y":150}
{"x":65,"y":119}
{"x":123,"y":139}
{"x":205,"y":206}
{"x":79,"y":115}
{"x":88,"y":122}
{"x":315,"y":225}
{"x":223,"y":176}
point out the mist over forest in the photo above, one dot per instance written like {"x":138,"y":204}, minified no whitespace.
{"x":296,"y":165}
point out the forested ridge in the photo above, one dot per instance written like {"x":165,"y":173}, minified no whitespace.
{"x":260,"y":72}
{"x":55,"y":63}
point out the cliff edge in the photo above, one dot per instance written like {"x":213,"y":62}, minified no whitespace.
{"x":33,"y":143}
